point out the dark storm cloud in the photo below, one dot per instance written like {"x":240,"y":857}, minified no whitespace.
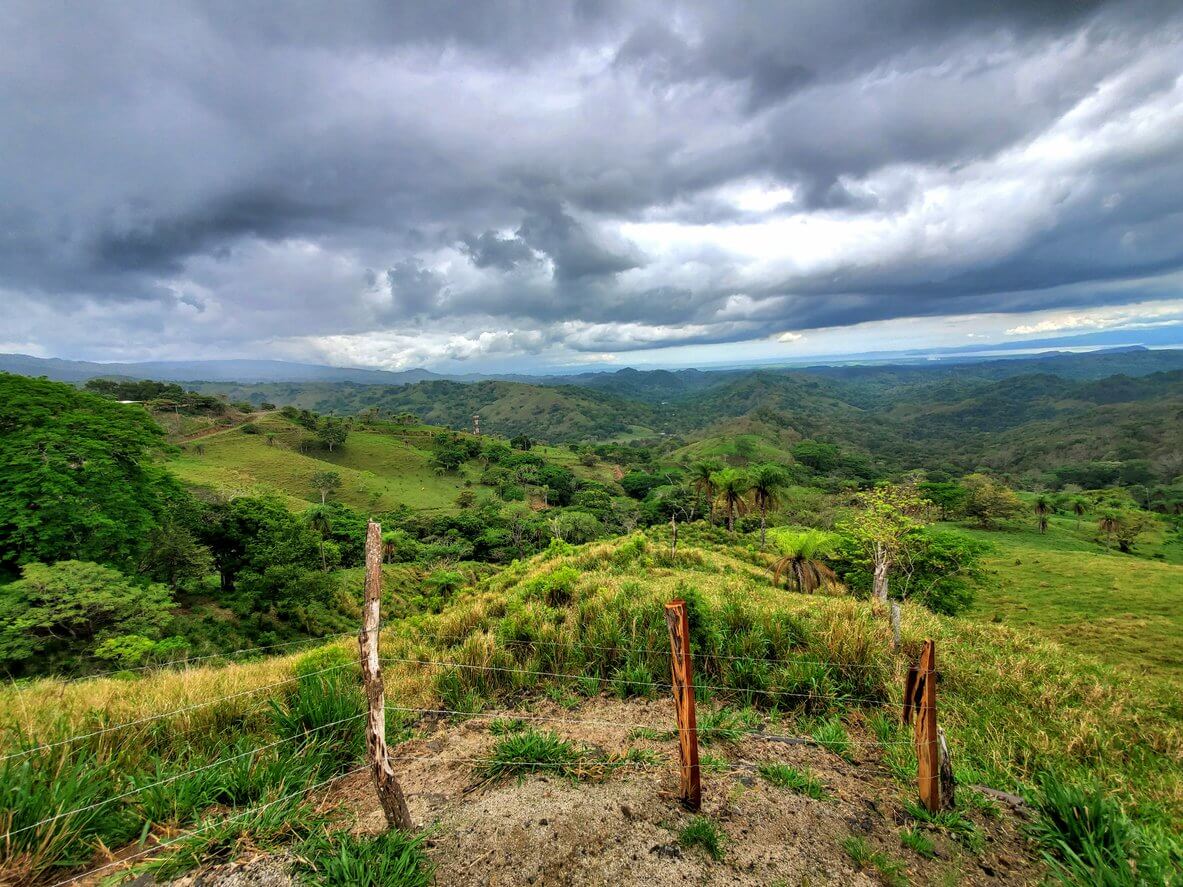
{"x":579,"y":175}
{"x":490,"y":250}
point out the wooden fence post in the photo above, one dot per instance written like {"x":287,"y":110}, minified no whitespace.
{"x":390,"y":793}
{"x":895,"y":625}
{"x":920,"y":700}
{"x":682,"y":670}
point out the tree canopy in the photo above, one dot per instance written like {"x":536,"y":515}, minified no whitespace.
{"x":79,"y":478}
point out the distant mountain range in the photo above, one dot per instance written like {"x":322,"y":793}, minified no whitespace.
{"x":643,"y":384}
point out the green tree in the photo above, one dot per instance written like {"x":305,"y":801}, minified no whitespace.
{"x":1043,"y":507}
{"x":174,"y":555}
{"x":802,"y":558}
{"x":321,"y":523}
{"x":326,"y":483}
{"x":331,"y":432}
{"x":79,"y":479}
{"x":990,"y":501}
{"x":1123,"y":526}
{"x":880,"y":526}
{"x":62,"y":611}
{"x":702,"y":480}
{"x":732,"y":485}
{"x":768,"y":482}
{"x":947,"y":496}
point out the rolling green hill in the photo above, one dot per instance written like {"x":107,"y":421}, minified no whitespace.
{"x":379,"y":470}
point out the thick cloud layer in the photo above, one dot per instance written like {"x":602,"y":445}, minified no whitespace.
{"x":408,"y":183}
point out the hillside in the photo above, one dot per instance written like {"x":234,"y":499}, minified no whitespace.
{"x":555,"y":414}
{"x":1013,"y":706}
{"x":379,"y":470}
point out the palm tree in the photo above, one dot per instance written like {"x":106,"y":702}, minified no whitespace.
{"x":801,"y":560}
{"x":1043,"y":508}
{"x":768,"y":480}
{"x":1078,"y":507}
{"x":731,"y":486}
{"x":389,"y":544}
{"x":318,"y":520}
{"x":702,"y":480}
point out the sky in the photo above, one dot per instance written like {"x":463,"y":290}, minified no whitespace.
{"x":516,"y":185}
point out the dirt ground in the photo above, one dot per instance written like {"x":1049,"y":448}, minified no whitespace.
{"x":622,"y":829}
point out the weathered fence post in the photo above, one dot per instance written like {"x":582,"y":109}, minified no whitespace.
{"x":895,"y":625}
{"x":682,"y":669}
{"x":390,"y":793}
{"x":920,"y":700}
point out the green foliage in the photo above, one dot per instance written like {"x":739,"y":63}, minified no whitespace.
{"x":704,"y":834}
{"x":863,"y":855}
{"x":989,"y":501}
{"x":528,"y":751}
{"x":78,"y":477}
{"x":331,"y":433}
{"x":832,"y":736}
{"x":936,"y":567}
{"x":1123,"y":526}
{"x":917,"y":841}
{"x":392,"y":859}
{"x":67,"y":609}
{"x":1088,"y":839}
{"x":799,"y":780}
{"x":326,"y":483}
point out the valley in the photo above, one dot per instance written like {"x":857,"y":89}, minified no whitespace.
{"x":524,"y":577}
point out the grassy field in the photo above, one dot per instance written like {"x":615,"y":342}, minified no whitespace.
{"x":379,"y":470}
{"x":1013,"y":704}
{"x":1124,"y":609}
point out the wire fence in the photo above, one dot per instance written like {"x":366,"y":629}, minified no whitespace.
{"x":732,"y":731}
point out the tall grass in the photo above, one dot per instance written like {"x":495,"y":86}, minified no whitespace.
{"x":1088,"y":839}
{"x":70,"y":793}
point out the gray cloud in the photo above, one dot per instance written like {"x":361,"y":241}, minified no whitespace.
{"x":574,"y":176}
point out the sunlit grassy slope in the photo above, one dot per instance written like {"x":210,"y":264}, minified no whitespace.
{"x":379,"y":470}
{"x":1125,"y":609}
{"x":1012,"y":704}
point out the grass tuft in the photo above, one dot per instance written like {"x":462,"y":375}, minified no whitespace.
{"x":801,"y":781}
{"x":892,"y":871}
{"x":704,"y":834}
{"x":519,"y":754}
{"x":916,"y":840}
{"x":392,"y":859}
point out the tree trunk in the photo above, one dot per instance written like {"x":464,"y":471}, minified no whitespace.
{"x":763,"y":510}
{"x":879,"y":588}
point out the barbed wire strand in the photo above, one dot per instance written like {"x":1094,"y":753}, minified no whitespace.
{"x":174,"y":778}
{"x":653,"y":650}
{"x":188,"y":708}
{"x":631,"y":682}
{"x":746,"y":731}
{"x":191,"y":834}
{"x":182,"y":664}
